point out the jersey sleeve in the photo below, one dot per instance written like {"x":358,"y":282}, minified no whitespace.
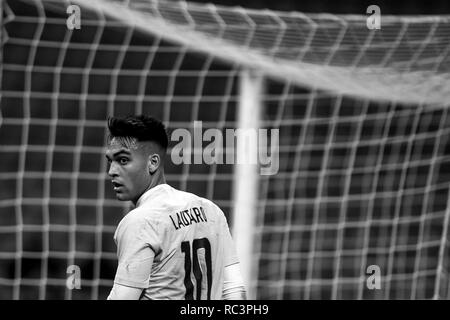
{"x":137,"y":244}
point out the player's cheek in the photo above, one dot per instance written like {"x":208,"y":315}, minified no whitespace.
{"x":127,"y":182}
{"x":137,"y":180}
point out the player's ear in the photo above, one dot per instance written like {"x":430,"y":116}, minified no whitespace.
{"x":154,"y":161}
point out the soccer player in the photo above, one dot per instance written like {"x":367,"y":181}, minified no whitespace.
{"x":173,"y":244}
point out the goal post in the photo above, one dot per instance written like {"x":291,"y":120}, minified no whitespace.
{"x":246,"y":182}
{"x":364,"y":146}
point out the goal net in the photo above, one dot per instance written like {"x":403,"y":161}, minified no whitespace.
{"x":364,"y":150}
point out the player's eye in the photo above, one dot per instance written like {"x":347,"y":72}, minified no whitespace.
{"x":123,"y":161}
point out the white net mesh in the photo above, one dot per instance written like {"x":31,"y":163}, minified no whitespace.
{"x":364,"y":148}
{"x":360,"y":184}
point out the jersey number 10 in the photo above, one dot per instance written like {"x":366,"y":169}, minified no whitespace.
{"x":194,"y":265}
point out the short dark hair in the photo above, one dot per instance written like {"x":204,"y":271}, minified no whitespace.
{"x":141,"y":127}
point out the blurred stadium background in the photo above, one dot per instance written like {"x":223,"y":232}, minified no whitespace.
{"x":363,"y":179}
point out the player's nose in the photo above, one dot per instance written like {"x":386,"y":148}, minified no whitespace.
{"x":112,"y":172}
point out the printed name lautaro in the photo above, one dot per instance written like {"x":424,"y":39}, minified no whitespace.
{"x":187,"y":217}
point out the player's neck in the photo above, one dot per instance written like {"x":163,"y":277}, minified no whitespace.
{"x":158,"y":179}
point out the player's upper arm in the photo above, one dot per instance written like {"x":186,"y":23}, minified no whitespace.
{"x":136,"y":244}
{"x":233,"y":284}
{"x":120,"y":292}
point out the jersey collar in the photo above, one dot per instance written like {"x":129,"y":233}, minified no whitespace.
{"x":150,"y":193}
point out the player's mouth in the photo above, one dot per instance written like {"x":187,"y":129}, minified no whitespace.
{"x":117,"y":186}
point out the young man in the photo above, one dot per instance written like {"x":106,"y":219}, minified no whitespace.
{"x":174,"y":244}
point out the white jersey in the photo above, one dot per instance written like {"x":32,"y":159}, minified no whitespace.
{"x":174,"y":245}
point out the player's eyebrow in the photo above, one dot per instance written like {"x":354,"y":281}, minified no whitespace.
{"x":115,"y":154}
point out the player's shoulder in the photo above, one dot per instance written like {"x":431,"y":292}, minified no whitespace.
{"x":146,"y":213}
{"x":211,"y":204}
{"x":206,"y":202}
{"x":139,"y":216}
{"x":211,"y":207}
{"x":137,"y":223}
{"x":183,"y":194}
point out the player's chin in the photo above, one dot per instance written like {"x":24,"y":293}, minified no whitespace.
{"x":121,"y":196}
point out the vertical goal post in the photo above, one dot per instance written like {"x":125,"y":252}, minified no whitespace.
{"x":246,"y":181}
{"x":364,"y":141}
